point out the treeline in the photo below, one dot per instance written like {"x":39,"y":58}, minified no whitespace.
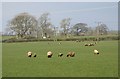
{"x":25,"y":26}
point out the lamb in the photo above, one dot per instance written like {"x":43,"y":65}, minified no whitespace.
{"x":34,"y":55}
{"x":60,"y":54}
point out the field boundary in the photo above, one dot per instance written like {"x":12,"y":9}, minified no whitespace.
{"x":77,"y":39}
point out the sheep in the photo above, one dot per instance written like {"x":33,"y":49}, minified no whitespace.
{"x":60,"y":54}
{"x":34,"y":55}
{"x":49,"y":54}
{"x":29,"y":54}
{"x":96,"y":51}
{"x":86,"y":44}
{"x":71,"y":54}
{"x":91,"y":44}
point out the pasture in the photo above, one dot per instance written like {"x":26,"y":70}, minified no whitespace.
{"x":0,"y":60}
{"x":84,"y":64}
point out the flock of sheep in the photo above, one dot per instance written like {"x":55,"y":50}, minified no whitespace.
{"x":69,"y":54}
{"x":90,"y":44}
{"x":50,"y":54}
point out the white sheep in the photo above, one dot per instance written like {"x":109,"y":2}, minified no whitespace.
{"x":96,"y":51}
{"x":29,"y":54}
{"x":49,"y":54}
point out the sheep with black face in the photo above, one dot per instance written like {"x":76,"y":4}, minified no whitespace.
{"x":34,"y":55}
{"x":96,"y":51}
{"x":71,"y":54}
{"x":29,"y":54}
{"x":60,"y":54}
{"x":49,"y":54}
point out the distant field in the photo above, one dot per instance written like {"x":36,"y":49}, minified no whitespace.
{"x":84,"y":64}
{"x":6,"y":37}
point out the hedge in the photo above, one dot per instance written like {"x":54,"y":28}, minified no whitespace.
{"x":62,"y":39}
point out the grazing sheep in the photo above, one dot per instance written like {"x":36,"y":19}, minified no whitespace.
{"x":49,"y":54}
{"x":91,"y":44}
{"x":29,"y":54}
{"x":68,"y":55}
{"x":60,"y":54}
{"x":34,"y":55}
{"x":96,"y":51}
{"x":86,"y":44}
{"x":71,"y":54}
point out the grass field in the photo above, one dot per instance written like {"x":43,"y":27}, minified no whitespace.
{"x":84,"y":64}
{"x":0,"y":60}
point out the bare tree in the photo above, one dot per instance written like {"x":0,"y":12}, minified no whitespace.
{"x":23,"y":24}
{"x":44,"y":24}
{"x":65,"y":25}
{"x":101,"y":29}
{"x":90,"y":31}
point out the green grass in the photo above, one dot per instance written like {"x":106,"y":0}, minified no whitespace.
{"x":84,"y":64}
{"x":0,"y":60}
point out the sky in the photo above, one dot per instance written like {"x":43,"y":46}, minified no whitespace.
{"x":79,"y":12}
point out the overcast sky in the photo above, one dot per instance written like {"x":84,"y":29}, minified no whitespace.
{"x":80,"y":12}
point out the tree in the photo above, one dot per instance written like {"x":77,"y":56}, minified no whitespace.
{"x":23,"y":24}
{"x":90,"y":31}
{"x":65,"y":25}
{"x":44,"y":25}
{"x":101,"y":29}
{"x":79,"y":28}
{"x":8,"y":31}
